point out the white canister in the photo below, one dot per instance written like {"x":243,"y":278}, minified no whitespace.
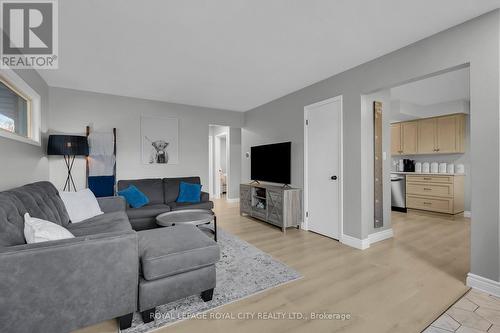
{"x":442,"y":167}
{"x":401,"y":165}
{"x":460,"y":168}
{"x":434,"y":167}
{"x":450,"y":168}
{"x":425,"y":167}
{"x":418,"y":167}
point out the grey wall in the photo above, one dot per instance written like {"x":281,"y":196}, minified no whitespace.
{"x":234,"y":163}
{"x":223,"y":156}
{"x":23,"y":163}
{"x":72,"y":110}
{"x":475,"y":42}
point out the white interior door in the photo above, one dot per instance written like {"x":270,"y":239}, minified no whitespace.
{"x":324,"y":167}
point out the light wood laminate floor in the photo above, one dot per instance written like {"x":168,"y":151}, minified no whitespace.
{"x":397,"y":285}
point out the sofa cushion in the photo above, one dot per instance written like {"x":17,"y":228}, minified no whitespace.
{"x":174,"y":250}
{"x":38,"y":230}
{"x":189,"y":193}
{"x":134,"y":197}
{"x":80,"y":205}
{"x":40,"y":200}
{"x":171,"y":186}
{"x":152,"y":188}
{"x":107,"y":222}
{"x":147,"y":211}
{"x":187,"y":205}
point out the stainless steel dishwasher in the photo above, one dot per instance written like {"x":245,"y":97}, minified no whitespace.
{"x":398,"y":192}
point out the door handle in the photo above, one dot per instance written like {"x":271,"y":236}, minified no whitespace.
{"x":333,"y":177}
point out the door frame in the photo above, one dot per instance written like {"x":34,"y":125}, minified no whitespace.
{"x":307,"y":108}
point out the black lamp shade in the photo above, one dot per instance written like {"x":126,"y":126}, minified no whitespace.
{"x":72,"y":145}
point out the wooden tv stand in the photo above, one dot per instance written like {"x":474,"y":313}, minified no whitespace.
{"x":277,"y":205}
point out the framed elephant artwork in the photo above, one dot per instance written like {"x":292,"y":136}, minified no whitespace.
{"x":159,"y":140}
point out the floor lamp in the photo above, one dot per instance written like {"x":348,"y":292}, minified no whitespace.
{"x":68,"y":146}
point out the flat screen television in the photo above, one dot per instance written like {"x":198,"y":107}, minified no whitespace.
{"x":271,"y":163}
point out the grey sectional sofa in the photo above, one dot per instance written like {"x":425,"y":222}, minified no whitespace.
{"x":162,"y":194}
{"x":107,"y":271}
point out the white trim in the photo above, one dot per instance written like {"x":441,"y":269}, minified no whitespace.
{"x":36,"y":108}
{"x":363,"y":244}
{"x":304,"y":224}
{"x":468,"y":214}
{"x":481,"y":283}
{"x":233,"y":200}
{"x":380,"y":235}
{"x":360,"y":244}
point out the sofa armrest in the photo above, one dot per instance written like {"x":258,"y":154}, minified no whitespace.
{"x":112,"y":204}
{"x":75,"y":282}
{"x":205,"y":197}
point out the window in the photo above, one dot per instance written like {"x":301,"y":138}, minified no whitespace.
{"x":20,"y":109}
{"x":15,"y":110}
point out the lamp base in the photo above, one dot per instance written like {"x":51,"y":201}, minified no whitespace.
{"x":69,"y":160}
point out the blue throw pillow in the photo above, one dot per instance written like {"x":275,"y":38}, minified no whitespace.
{"x":189,"y":193}
{"x":134,"y":197}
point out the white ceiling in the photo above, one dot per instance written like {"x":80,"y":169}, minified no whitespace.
{"x":446,"y":87}
{"x":234,"y":54}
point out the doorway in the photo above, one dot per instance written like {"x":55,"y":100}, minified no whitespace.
{"x":323,"y":167}
{"x":219,"y":158}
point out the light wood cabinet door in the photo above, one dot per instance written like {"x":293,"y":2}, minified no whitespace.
{"x":409,"y":134}
{"x":396,"y":139}
{"x":447,"y":134}
{"x":427,"y":136}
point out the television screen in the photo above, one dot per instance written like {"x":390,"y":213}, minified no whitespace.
{"x":271,"y":163}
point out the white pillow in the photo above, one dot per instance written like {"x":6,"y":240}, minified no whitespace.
{"x":80,"y":205}
{"x":38,"y":230}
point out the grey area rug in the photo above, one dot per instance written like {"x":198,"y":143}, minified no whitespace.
{"x":243,"y":270}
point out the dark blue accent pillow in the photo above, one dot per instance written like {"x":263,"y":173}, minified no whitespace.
{"x":134,"y":197}
{"x":189,"y":192}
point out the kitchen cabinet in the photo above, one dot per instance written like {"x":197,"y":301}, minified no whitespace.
{"x":404,"y":138}
{"x":450,"y":132}
{"x":437,"y":135}
{"x":409,"y":132}
{"x":427,"y":136}
{"x":396,"y":148}
{"x":435,"y":193}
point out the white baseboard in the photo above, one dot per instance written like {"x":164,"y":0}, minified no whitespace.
{"x":468,"y":214}
{"x":361,"y":244}
{"x":233,"y":200}
{"x":481,"y":283}
{"x":380,"y":236}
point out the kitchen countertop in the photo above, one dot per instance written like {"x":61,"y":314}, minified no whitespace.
{"x":427,"y":173}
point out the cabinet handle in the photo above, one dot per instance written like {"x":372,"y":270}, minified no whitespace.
{"x":427,"y":189}
{"x":427,"y":203}
{"x":437,"y":149}
{"x":427,"y":178}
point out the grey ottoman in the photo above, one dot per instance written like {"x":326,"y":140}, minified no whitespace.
{"x":176,"y":262}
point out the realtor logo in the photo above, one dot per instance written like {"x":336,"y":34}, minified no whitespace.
{"x":29,"y":34}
